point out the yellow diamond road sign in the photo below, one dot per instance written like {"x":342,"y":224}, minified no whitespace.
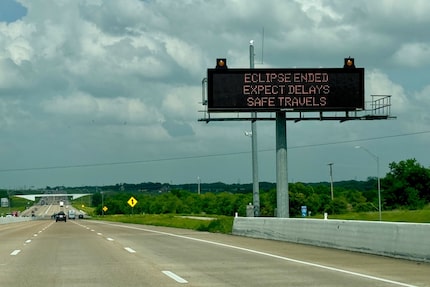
{"x":132,"y":201}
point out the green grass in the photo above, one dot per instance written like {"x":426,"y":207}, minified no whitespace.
{"x":88,"y":210}
{"x":417,"y":216}
{"x":221,"y":224}
{"x":18,"y":204}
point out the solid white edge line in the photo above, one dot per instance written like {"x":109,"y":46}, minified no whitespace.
{"x":15,"y":252}
{"x":362,"y":275}
{"x":175,"y":277}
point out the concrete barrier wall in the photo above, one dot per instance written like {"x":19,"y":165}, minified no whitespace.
{"x":400,"y":240}
{"x":10,"y":219}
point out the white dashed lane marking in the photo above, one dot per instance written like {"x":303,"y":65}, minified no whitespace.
{"x":15,"y":252}
{"x":175,"y":277}
{"x":129,"y":250}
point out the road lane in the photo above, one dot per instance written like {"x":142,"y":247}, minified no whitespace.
{"x":94,"y":253}
{"x":195,"y":248}
{"x":15,"y":236}
{"x":66,"y":254}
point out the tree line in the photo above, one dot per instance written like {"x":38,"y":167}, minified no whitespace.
{"x":406,"y":186}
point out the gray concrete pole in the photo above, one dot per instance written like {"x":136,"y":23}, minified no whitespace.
{"x":255,"y":181}
{"x":283,"y":208}
{"x":379,"y":189}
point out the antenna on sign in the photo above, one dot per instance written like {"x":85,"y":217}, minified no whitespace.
{"x":262,"y":47}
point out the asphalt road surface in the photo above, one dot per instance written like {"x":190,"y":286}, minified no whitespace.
{"x":96,"y":253}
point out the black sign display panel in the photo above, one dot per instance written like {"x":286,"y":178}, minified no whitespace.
{"x":270,"y":90}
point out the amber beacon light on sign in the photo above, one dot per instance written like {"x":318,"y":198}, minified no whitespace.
{"x":221,"y":63}
{"x":349,"y":63}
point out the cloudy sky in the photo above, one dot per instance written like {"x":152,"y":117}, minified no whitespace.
{"x":97,"y":92}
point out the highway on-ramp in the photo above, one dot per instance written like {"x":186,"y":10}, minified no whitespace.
{"x":98,"y":253}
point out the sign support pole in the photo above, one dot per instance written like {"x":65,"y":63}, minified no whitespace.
{"x":283,"y":209}
{"x":255,"y":181}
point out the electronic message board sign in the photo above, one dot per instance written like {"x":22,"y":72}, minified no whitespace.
{"x":271,"y":90}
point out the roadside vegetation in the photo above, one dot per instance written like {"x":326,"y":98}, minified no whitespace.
{"x":215,"y":224}
{"x":405,"y":187}
{"x":401,"y":215}
{"x":17,"y":204}
{"x":405,"y":197}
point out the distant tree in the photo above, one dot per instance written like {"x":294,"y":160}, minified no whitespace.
{"x":268,"y":202}
{"x":406,"y":185}
{"x":337,"y":206}
{"x":3,"y":193}
{"x":96,"y":199}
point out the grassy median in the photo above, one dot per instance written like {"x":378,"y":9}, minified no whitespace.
{"x":417,"y":216}
{"x":220,"y":224}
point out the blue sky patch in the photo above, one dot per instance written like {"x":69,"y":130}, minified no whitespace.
{"x":10,"y":11}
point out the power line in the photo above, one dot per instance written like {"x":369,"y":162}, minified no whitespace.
{"x":361,"y":140}
{"x":200,"y":156}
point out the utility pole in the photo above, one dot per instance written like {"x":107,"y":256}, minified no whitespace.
{"x":198,"y":185}
{"x":331,"y":179}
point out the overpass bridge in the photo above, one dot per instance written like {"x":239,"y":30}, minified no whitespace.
{"x":33,"y":197}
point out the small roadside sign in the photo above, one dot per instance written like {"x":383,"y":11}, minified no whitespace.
{"x":105,"y":208}
{"x":304,"y":210}
{"x":132,"y":201}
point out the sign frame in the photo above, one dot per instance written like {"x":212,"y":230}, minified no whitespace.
{"x":295,"y":90}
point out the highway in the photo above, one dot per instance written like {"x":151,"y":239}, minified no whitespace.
{"x":98,"y":253}
{"x":47,"y":210}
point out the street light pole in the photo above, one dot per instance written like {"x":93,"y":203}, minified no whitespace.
{"x":376,"y":158}
{"x":255,"y":182}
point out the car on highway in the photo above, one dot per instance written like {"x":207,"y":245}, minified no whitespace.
{"x":72,"y":214}
{"x":80,"y":216}
{"x":61,"y":216}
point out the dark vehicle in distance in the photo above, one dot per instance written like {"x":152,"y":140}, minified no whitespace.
{"x":80,"y":216}
{"x":61,"y":216}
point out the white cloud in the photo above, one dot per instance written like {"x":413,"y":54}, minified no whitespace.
{"x":124,"y":77}
{"x":10,"y":114}
{"x":413,"y":55}
{"x":182,"y":103}
{"x":378,"y":83}
{"x":187,"y":56}
{"x":421,"y":113}
{"x":106,"y":110}
{"x":316,"y":10}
